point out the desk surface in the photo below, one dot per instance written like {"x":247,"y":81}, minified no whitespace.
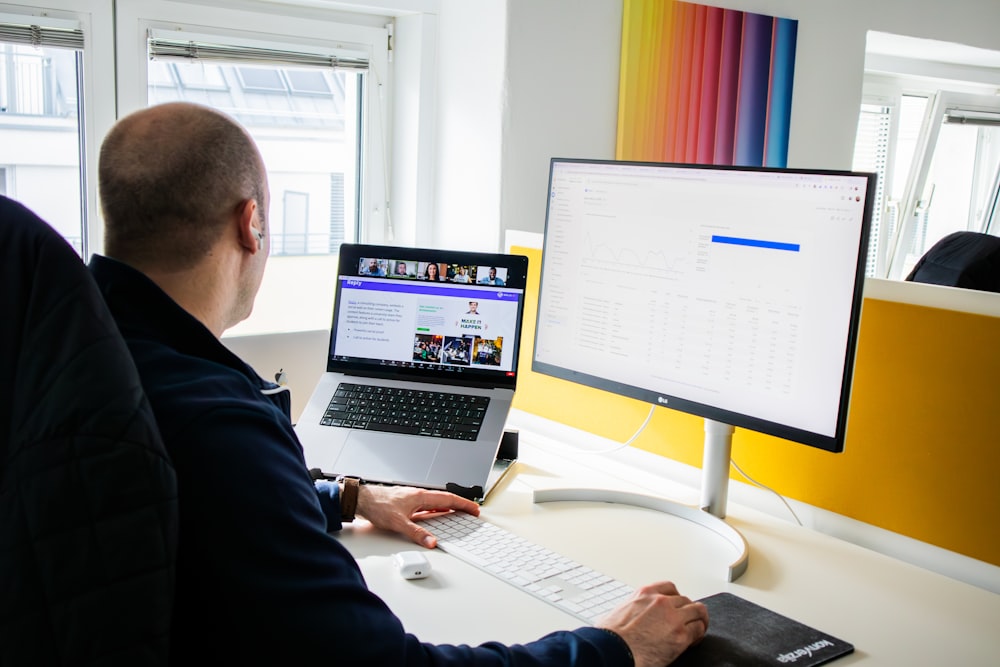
{"x":893,"y":612}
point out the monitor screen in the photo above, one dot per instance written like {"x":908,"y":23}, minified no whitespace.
{"x":732,"y":293}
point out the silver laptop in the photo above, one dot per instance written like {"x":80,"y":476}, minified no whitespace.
{"x":420,"y":370}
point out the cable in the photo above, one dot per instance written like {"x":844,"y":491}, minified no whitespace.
{"x":732,"y":462}
{"x":766,"y":488}
{"x":623,"y":445}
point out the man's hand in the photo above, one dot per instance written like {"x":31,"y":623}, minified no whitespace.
{"x":658,"y":624}
{"x":398,"y":508}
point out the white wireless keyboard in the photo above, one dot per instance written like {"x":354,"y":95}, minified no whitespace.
{"x":572,"y":587}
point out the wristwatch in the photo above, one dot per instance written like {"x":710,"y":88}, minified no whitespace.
{"x":349,"y":497}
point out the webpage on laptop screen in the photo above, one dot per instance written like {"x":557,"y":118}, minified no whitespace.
{"x":422,"y":323}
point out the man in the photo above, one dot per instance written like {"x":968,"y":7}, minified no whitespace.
{"x":492,"y":278}
{"x":374,"y":269}
{"x":259,"y":578}
{"x":462,"y":276}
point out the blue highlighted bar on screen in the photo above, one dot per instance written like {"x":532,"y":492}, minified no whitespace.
{"x":756,"y":243}
{"x":428,"y":288}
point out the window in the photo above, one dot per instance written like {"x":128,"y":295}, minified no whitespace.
{"x":295,"y":213}
{"x":958,"y":178}
{"x":939,"y":172}
{"x":261,"y":79}
{"x":307,"y":82}
{"x":204,"y":78}
{"x":314,"y":103}
{"x":40,"y":129}
{"x":935,"y":144}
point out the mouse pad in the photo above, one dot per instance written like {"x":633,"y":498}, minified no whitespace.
{"x":744,"y":634}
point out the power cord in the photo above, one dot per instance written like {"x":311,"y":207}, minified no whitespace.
{"x":766,"y":488}
{"x":732,"y":462}
{"x":622,"y":445}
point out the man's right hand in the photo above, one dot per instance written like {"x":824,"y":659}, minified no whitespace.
{"x":658,"y":624}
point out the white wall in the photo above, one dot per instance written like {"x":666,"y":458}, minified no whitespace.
{"x":468,"y":141}
{"x":562,"y":92}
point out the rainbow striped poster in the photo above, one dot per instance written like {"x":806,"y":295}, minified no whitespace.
{"x":704,"y":84}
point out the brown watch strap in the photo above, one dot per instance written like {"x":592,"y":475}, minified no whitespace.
{"x":349,"y":498}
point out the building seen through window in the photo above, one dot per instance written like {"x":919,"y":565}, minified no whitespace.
{"x":40,"y":145}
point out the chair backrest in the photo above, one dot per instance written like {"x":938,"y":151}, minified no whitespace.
{"x":961,"y":259}
{"x":88,"y":496}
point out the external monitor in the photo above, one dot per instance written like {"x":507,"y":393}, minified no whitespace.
{"x":731,"y":293}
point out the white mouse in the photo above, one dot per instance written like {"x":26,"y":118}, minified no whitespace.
{"x":412,"y":564}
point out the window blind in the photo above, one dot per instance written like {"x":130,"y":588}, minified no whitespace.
{"x":969,"y":117}
{"x":172,"y":48}
{"x":37,"y":35}
{"x":871,"y":152}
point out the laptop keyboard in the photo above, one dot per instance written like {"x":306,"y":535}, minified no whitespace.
{"x":412,"y":411}
{"x":549,"y":576}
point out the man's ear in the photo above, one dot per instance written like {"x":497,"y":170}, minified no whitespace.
{"x":250,"y":236}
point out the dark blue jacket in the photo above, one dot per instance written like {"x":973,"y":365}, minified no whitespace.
{"x":260,"y":579}
{"x":88,"y":498}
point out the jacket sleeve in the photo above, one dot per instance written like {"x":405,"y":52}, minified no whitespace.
{"x":328,"y":495}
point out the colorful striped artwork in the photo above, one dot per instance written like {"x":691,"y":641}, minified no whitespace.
{"x":704,"y":85}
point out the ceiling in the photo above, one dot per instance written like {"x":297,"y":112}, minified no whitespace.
{"x":901,"y":46}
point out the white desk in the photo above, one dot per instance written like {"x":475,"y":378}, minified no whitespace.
{"x":894,"y":613}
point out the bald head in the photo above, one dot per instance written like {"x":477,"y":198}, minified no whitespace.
{"x":170,"y":177}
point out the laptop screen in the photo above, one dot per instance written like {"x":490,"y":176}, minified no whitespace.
{"x":423,"y":314}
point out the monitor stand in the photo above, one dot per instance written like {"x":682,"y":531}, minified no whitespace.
{"x":714,"y":493}
{"x":715,"y":457}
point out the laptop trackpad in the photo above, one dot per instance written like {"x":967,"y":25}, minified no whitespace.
{"x":387,"y":457}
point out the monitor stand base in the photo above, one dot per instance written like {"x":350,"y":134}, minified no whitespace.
{"x":701,"y":517}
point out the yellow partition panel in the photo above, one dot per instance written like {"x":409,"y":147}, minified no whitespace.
{"x":923,"y":440}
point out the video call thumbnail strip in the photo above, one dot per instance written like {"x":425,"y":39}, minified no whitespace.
{"x":475,"y":274}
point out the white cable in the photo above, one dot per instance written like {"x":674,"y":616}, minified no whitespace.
{"x":766,"y":488}
{"x":732,"y":462}
{"x":623,"y":445}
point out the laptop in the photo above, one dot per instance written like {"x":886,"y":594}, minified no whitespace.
{"x":420,"y":370}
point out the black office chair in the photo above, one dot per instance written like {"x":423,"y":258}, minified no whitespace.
{"x":88,"y":496}
{"x":961,"y":259}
